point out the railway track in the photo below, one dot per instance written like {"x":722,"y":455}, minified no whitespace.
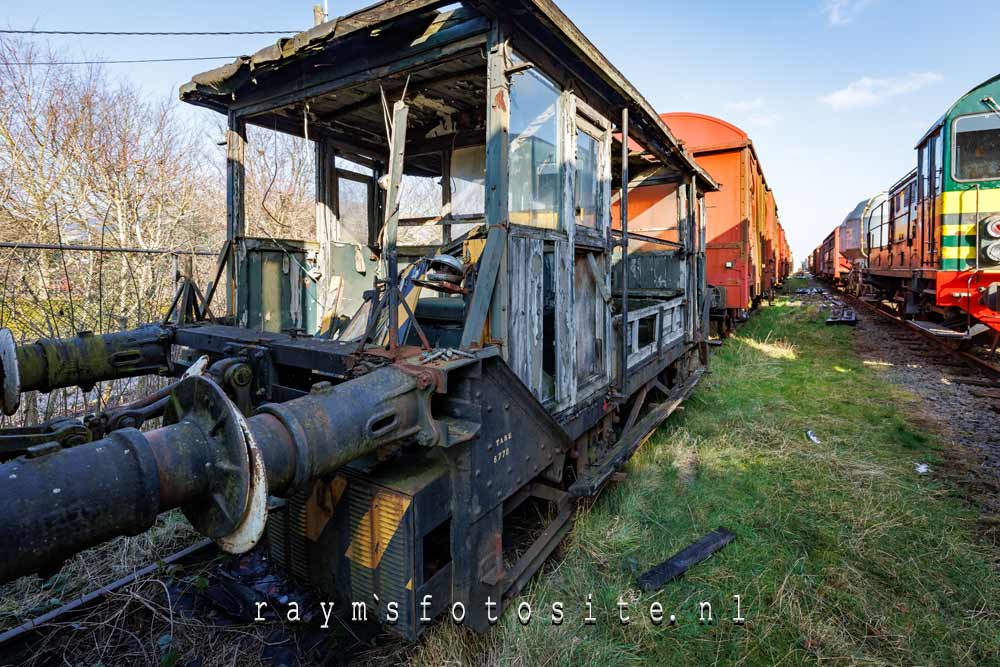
{"x":201,"y":551}
{"x":969,"y":360}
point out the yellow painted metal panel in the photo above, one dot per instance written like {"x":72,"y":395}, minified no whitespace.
{"x":965,"y":201}
{"x":964,"y":252}
{"x":967,"y":229}
{"x":372,"y":535}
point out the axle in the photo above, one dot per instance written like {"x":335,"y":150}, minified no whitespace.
{"x":208,"y":460}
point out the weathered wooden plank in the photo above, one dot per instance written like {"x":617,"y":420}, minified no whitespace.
{"x":685,"y":559}
{"x":600,"y":278}
{"x":566,"y":358}
{"x":327,"y":222}
{"x":589,"y":356}
{"x":379,"y":64}
{"x":397,"y":155}
{"x":369,"y":17}
{"x":526,"y":320}
{"x":492,"y":295}
{"x":625,"y":332}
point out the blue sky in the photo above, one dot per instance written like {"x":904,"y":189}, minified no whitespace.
{"x":834,"y":93}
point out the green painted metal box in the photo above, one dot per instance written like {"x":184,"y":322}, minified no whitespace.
{"x":276,"y":285}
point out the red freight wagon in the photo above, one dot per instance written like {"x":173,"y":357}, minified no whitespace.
{"x":833,"y":266}
{"x":742,"y":252}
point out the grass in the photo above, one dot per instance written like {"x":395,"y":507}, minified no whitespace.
{"x":843,"y":556}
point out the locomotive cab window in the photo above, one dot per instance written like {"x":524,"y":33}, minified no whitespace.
{"x":977,"y":147}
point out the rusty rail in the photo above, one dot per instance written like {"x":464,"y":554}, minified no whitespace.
{"x":969,"y":358}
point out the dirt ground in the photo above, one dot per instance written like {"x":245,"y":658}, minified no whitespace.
{"x":965,"y":418}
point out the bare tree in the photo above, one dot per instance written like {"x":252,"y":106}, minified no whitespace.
{"x":85,"y":160}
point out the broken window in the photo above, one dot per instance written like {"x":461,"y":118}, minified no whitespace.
{"x":468,"y":186}
{"x":420,"y":210}
{"x":588,"y":182}
{"x":590,"y":311}
{"x":534,"y":149}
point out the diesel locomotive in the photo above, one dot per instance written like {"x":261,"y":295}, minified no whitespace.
{"x":930,"y":246}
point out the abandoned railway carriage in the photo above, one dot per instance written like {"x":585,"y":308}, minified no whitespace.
{"x":833,"y":266}
{"x":405,"y":401}
{"x":934,"y":245}
{"x":745,"y":242}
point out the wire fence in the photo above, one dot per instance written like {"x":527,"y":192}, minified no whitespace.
{"x":57,"y":290}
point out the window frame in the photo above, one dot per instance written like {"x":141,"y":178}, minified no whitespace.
{"x":588,"y":121}
{"x":560,"y":176}
{"x":953,"y":152}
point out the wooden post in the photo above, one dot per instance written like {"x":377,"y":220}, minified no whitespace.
{"x":397,"y":155}
{"x":236,"y":141}
{"x":491,"y":286}
{"x":446,"y":193}
{"x":692,"y":250}
{"x":319,"y":16}
{"x":623,"y":209}
{"x":565,"y":256}
{"x":328,"y":227}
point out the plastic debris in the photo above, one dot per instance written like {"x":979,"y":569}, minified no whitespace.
{"x":922,"y":468}
{"x":812,"y":436}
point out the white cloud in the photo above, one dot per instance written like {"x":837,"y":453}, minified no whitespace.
{"x":742,"y":106}
{"x":866,"y":91}
{"x":765,"y":119}
{"x":842,"y":12}
{"x":751,"y":112}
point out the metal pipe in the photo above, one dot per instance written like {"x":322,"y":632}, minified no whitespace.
{"x":623,"y":210}
{"x":82,"y":360}
{"x":208,"y":461}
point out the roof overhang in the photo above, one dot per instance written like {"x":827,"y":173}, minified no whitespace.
{"x":365,"y":45}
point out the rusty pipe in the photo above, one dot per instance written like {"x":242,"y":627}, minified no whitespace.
{"x":82,"y":360}
{"x":208,"y":460}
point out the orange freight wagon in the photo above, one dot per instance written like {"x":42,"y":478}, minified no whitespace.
{"x":742,"y":252}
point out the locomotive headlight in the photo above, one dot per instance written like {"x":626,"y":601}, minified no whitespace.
{"x":993,"y":251}
{"x":991,"y":226}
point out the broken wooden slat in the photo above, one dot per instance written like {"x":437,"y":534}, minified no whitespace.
{"x":685,"y":559}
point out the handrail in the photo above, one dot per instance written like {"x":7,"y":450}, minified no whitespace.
{"x":968,"y":285}
{"x":649,"y":239}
